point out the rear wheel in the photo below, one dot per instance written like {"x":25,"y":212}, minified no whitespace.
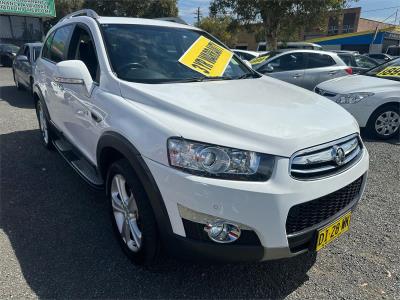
{"x":132,"y":216}
{"x":385,"y":122}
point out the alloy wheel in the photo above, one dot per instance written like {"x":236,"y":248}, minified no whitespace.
{"x":387,"y":123}
{"x":126,"y":213}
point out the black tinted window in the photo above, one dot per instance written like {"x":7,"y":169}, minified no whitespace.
{"x":317,"y":60}
{"x":59,"y":42}
{"x":288,"y":62}
{"x":346,"y":58}
{"x":46,"y":46}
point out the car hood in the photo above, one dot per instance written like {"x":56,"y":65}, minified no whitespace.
{"x":264,"y":115}
{"x":359,"y":83}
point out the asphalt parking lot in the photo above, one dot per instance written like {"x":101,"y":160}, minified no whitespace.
{"x":56,"y":239}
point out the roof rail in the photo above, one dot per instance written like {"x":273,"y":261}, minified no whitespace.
{"x":83,"y":12}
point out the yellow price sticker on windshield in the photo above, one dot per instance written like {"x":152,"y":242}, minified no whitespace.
{"x":206,"y":57}
{"x":259,"y":60}
{"x":389,"y":72}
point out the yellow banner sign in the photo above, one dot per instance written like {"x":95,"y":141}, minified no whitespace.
{"x":390,"y":72}
{"x":259,"y":60}
{"x":206,"y":57}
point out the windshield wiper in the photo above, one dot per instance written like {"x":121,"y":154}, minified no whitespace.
{"x":248,"y":75}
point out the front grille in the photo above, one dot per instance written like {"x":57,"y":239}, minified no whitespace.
{"x":311,"y":213}
{"x":327,"y":159}
{"x":325,"y":93}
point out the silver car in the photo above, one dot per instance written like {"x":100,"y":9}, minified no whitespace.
{"x":24,"y":64}
{"x":305,"y":68}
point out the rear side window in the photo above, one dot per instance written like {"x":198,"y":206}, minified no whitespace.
{"x":59,"y":42}
{"x":288,"y":62}
{"x":317,"y":60}
{"x":346,"y":59}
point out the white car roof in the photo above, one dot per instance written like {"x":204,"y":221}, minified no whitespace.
{"x":142,"y":21}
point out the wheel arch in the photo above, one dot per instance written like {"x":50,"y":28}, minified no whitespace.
{"x":386,"y":104}
{"x":113,"y":146}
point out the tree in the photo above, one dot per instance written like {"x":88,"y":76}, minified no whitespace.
{"x":279,"y":18}
{"x":222,"y":27}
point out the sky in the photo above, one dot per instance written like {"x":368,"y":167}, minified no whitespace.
{"x":371,"y":9}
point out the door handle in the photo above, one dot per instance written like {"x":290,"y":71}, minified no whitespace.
{"x":297,"y":75}
{"x":96,"y":116}
{"x":332,"y":72}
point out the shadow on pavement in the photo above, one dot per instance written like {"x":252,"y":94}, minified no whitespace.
{"x":60,"y":231}
{"x":15,"y":97}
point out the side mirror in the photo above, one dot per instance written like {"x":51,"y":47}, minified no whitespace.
{"x":22,"y":58}
{"x":269,"y":68}
{"x":248,"y":64}
{"x":74,"y":72}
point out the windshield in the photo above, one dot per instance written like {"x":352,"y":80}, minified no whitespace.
{"x":257,"y":62}
{"x":9,"y":48}
{"x":152,"y":54}
{"x":389,"y":70}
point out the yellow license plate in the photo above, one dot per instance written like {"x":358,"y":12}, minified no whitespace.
{"x":333,"y":231}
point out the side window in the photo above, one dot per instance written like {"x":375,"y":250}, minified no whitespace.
{"x":364,"y":62}
{"x":46,"y":46}
{"x":82,"y":48}
{"x":288,"y":62}
{"x":316,"y":60}
{"x":59,"y":42}
{"x":346,"y":59}
{"x":27,"y":53}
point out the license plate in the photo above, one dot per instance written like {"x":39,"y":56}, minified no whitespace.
{"x":333,"y":231}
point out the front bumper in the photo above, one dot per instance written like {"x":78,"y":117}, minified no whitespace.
{"x":261,"y":206}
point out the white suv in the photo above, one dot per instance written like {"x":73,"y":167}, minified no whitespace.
{"x":229,"y":165}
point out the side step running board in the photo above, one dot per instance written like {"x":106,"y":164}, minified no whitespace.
{"x":80,"y":164}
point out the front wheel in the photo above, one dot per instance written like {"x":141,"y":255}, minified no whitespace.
{"x":43,"y":125}
{"x":385,"y":122}
{"x":132,"y":215}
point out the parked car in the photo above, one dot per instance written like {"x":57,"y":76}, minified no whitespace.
{"x":246,"y":54}
{"x":7,"y":54}
{"x":393,"y":50}
{"x":372,"y":98}
{"x":24,"y":64}
{"x":262,"y":46}
{"x":305,"y":68}
{"x":196,"y":151}
{"x":359,"y":63}
{"x":380,"y":57}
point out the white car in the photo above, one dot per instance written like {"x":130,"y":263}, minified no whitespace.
{"x":372,"y":98}
{"x":226,"y":165}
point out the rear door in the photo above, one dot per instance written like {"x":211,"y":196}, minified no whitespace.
{"x":288,"y":67}
{"x":320,"y":67}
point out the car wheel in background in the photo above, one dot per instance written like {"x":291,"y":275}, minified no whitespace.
{"x":132,"y":216}
{"x":44,"y":125}
{"x":385,"y":122}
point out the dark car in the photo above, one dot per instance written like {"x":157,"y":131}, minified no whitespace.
{"x":359,"y":63}
{"x":7,"y":54}
{"x":380,"y":57}
{"x":24,"y":65}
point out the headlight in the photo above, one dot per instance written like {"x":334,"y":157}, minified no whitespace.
{"x":219,"y":162}
{"x":352,"y":98}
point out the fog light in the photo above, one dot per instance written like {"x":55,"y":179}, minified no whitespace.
{"x":222,"y":232}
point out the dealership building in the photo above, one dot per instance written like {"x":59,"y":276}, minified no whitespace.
{"x":21,"y":21}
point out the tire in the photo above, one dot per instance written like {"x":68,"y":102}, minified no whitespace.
{"x":44,"y":127}
{"x":17,"y":84}
{"x":133,"y":220}
{"x":384,"y":123}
